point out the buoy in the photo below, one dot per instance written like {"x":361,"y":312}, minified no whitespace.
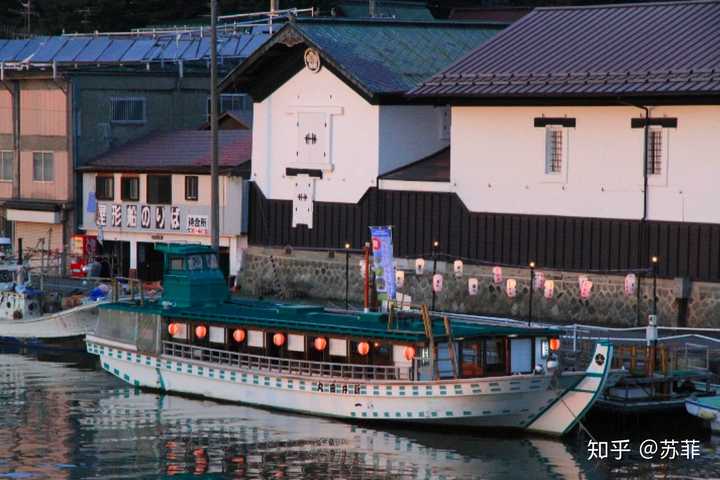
{"x":239,"y":335}
{"x":278,"y":339}
{"x":200,"y":331}
{"x":363,"y":348}
{"x":409,"y":353}
{"x":320,"y":343}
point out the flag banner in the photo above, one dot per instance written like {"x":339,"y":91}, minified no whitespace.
{"x":383,"y":262}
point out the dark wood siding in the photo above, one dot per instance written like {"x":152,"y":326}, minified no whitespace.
{"x":570,"y":243}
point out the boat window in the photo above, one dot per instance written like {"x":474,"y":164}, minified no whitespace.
{"x":296,"y":343}
{"x":256,"y":338}
{"x":217,"y":335}
{"x":520,"y":355}
{"x":471,"y":355}
{"x":495,"y":356}
{"x":177,"y":263}
{"x":195,"y":262}
{"x":211,"y":261}
{"x":338,"y":347}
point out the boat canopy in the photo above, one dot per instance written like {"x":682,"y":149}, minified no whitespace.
{"x":406,"y":327}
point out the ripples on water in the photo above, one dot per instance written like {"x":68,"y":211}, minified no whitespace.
{"x":68,"y":419}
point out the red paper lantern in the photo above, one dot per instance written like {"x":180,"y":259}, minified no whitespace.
{"x":173,"y":329}
{"x":554,"y":344}
{"x":409,"y":353}
{"x":278,"y":339}
{"x":200,"y":331}
{"x":363,"y":348}
{"x":239,"y":335}
{"x":320,"y":343}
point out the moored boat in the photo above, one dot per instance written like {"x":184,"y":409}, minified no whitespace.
{"x":409,"y":367}
{"x":706,"y":408}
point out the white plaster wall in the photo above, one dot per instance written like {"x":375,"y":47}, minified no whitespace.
{"x":354,"y":144}
{"x":409,"y":133}
{"x":498,"y":160}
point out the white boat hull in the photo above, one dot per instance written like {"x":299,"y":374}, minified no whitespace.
{"x":518,"y":401}
{"x":72,"y":323}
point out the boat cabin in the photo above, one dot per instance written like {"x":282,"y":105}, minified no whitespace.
{"x":197,"y":320}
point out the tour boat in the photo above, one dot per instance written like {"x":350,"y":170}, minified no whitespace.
{"x":405,"y":367}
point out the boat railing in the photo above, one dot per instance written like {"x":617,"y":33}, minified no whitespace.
{"x":305,"y":368}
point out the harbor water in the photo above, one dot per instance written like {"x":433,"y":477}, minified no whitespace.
{"x":62,"y":417}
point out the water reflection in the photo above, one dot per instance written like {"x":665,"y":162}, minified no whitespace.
{"x":70,"y":420}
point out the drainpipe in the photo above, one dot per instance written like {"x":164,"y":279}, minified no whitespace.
{"x":16,"y":137}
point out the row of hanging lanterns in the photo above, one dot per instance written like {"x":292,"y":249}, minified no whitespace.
{"x":540,"y":282}
{"x":320,"y":343}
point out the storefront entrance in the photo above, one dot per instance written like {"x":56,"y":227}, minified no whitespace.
{"x":149,"y":262}
{"x":115,"y":255}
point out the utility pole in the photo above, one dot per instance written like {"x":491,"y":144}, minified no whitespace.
{"x":214,"y":183}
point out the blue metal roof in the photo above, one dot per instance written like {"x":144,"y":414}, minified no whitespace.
{"x":131,"y":48}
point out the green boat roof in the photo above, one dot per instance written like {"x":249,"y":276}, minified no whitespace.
{"x":407,"y":327}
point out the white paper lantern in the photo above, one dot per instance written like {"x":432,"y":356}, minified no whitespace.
{"x":585,"y":289}
{"x":437,"y":283}
{"x":458,"y":268}
{"x":511,"y":287}
{"x":361,"y":264}
{"x":630,"y":284}
{"x":497,"y":275}
{"x":582,"y":279}
{"x":419,"y":266}
{"x":399,"y":278}
{"x":539,"y":280}
{"x":473,"y":286}
{"x":549,"y":289}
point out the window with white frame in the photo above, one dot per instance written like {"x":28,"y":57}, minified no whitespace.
{"x":127,"y":109}
{"x":6,"y":166}
{"x":655,"y":151}
{"x":554,"y":149}
{"x":43,"y":167}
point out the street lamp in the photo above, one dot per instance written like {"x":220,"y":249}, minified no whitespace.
{"x":434,"y":257}
{"x":532,"y":286}
{"x":654,"y":260}
{"x":347,"y":275}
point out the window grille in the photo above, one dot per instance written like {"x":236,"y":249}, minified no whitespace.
{"x":127,"y":110}
{"x":655,"y":151}
{"x":554,"y":150}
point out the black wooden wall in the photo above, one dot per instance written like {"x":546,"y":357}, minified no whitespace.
{"x":569,"y":243}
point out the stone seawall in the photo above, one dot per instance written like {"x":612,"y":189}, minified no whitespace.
{"x":320,"y":275}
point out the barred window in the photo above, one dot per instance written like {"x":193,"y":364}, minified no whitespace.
{"x":127,"y":109}
{"x":43,"y":168}
{"x":655,"y":151}
{"x":231,"y":101}
{"x":6,"y":166}
{"x":553,"y":149}
{"x":191,"y":187}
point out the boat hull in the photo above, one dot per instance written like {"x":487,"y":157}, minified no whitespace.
{"x":513,"y":402}
{"x":709,"y":413}
{"x":64,"y":329}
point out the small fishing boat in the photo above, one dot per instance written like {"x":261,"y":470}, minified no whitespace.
{"x":706,"y":408}
{"x":43,"y":318}
{"x":409,"y":367}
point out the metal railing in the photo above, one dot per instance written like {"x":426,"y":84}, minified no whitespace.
{"x":288,"y":366}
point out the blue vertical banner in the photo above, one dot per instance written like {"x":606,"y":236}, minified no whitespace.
{"x":383,"y":262}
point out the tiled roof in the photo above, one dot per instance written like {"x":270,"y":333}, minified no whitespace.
{"x":650,"y":49}
{"x":375,"y":56}
{"x":179,"y":150}
{"x":433,"y":168}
